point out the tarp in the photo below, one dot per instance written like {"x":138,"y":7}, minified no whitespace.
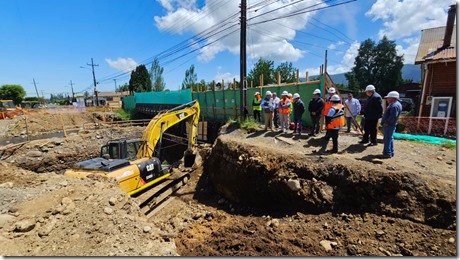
{"x":164,"y":97}
{"x":424,"y":139}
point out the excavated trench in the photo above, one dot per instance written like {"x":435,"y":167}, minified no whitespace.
{"x":259,"y":178}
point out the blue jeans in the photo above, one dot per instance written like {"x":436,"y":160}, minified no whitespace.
{"x":388,"y":140}
{"x":349,"y":122}
{"x":297,"y":124}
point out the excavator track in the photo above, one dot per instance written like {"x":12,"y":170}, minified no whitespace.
{"x":152,"y":200}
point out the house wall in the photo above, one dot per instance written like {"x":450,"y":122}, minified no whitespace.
{"x":441,"y":82}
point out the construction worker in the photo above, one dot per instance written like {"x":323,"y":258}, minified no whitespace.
{"x":256,"y":107}
{"x":292,"y":109}
{"x":276,"y":115}
{"x":389,"y":122}
{"x":315,"y":107}
{"x":327,"y":105}
{"x":299,"y":109}
{"x":285,"y":111}
{"x":372,"y":112}
{"x":268,"y":106}
{"x":334,"y":122}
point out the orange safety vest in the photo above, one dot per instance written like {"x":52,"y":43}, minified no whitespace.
{"x":337,"y":120}
{"x":285,"y":110}
{"x":327,"y":107}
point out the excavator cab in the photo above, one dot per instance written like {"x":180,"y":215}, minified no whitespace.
{"x":120,"y":149}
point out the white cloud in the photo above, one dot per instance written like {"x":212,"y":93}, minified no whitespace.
{"x":122,"y":64}
{"x":347,"y":62}
{"x":410,"y":51}
{"x":227,"y":77}
{"x":334,"y":46}
{"x":262,"y":39}
{"x":406,"y":17}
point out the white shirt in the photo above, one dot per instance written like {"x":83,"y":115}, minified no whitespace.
{"x":354,"y":106}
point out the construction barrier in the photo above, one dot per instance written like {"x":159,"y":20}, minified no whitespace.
{"x":434,"y":126}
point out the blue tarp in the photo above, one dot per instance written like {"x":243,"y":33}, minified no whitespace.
{"x":423,"y":138}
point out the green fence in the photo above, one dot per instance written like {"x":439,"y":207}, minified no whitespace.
{"x":129,"y":103}
{"x":225,"y":104}
{"x":163,"y":97}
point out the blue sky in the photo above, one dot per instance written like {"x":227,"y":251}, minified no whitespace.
{"x":50,"y":40}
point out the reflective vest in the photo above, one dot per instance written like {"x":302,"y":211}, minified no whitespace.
{"x":292,"y":109}
{"x":327,"y":107}
{"x":337,"y":120}
{"x":256,"y":104}
{"x":285,"y":110}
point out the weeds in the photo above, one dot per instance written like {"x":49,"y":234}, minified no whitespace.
{"x":448,"y":145}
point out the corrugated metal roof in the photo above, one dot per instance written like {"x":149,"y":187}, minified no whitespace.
{"x":432,"y":39}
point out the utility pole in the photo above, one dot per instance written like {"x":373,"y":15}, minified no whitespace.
{"x":243,"y":60}
{"x":115,"y":80}
{"x":94,"y":80}
{"x":73,"y":94}
{"x":35,"y":84}
{"x":43,"y":96}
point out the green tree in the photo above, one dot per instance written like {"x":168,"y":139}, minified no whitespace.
{"x":262,"y":67}
{"x":156,"y":76}
{"x":13,"y":92}
{"x":86,"y":95}
{"x":140,"y":80}
{"x":378,"y":65}
{"x":190,"y":78}
{"x":123,"y":88}
{"x":353,"y":84}
{"x":287,"y":72}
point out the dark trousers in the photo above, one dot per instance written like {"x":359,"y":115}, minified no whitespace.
{"x":297,"y":124}
{"x":370,"y":130}
{"x":315,"y":120}
{"x":334,"y":134}
{"x":276,"y":118}
{"x":257,"y":116}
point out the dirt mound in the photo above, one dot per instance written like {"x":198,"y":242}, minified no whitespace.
{"x":49,"y":214}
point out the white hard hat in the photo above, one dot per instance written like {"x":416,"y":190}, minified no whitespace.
{"x":317,"y":91}
{"x":257,"y":93}
{"x":285,"y":93}
{"x":370,"y":88}
{"x":331,"y":90}
{"x":296,"y":95}
{"x":290,"y":95}
{"x":268,"y":93}
{"x":335,"y":98}
{"x":393,"y":94}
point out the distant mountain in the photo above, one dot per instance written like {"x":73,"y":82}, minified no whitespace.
{"x":409,"y":72}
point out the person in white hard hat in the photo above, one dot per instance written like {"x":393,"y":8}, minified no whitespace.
{"x":327,"y":106}
{"x":276,"y":114}
{"x":268,"y":106}
{"x":372,"y":113}
{"x":256,"y":108}
{"x":285,"y":111}
{"x":299,"y":109}
{"x":334,"y":122}
{"x":355,"y":107}
{"x":315,"y":107}
{"x":389,"y":122}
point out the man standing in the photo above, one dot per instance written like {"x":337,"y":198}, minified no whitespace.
{"x":372,"y":113}
{"x":327,"y":105}
{"x":276,"y":117}
{"x":268,"y":106}
{"x":285,"y":111}
{"x":256,"y":106}
{"x":299,"y":109}
{"x":355,"y":107}
{"x":389,"y":123}
{"x":315,"y":107}
{"x":334,"y":122}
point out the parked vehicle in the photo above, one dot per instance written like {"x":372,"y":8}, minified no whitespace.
{"x":407,"y":104}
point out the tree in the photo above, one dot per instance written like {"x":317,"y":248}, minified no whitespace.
{"x":378,"y":65}
{"x":123,"y":88}
{"x":190,"y":78}
{"x":86,"y":95}
{"x":353,"y":83}
{"x":140,"y":80}
{"x":262,"y":67}
{"x":287,"y":72}
{"x":13,"y":92}
{"x":156,"y":72}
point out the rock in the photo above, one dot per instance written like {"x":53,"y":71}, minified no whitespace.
{"x":34,"y":154}
{"x":147,"y":229}
{"x":377,"y":161}
{"x":379,"y":233}
{"x":24,"y":226}
{"x":450,"y":162}
{"x":6,"y":219}
{"x":334,"y":244}
{"x":112,"y":201}
{"x":326,"y":244}
{"x":64,"y":183}
{"x":46,"y":230}
{"x":7,"y":185}
{"x":275,"y":222}
{"x":294,"y":185}
{"x":221,"y":201}
{"x":439,"y":158}
{"x":197,"y":216}
{"x":325,"y":225}
{"x":386,"y":252}
{"x":108,"y":210}
{"x":451,"y":240}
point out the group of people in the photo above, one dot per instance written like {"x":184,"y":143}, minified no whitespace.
{"x":277,"y":115}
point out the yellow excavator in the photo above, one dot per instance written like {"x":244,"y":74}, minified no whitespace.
{"x":133,"y":162}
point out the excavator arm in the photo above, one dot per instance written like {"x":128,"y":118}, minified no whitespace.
{"x":164,"y":120}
